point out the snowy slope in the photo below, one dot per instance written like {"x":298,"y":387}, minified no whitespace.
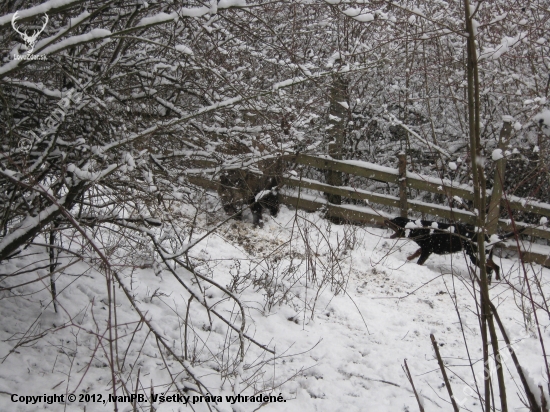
{"x":341,"y":323}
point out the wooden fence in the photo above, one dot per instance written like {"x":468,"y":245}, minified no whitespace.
{"x":403,"y":180}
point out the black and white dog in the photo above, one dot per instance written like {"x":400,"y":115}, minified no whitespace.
{"x":241,"y":188}
{"x":442,"y":239}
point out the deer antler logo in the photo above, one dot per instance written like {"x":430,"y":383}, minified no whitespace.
{"x":29,"y":40}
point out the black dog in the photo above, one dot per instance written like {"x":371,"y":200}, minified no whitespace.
{"x":241,"y":188}
{"x":442,"y":238}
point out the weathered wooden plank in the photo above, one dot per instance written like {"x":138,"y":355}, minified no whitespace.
{"x":382,"y":174}
{"x":454,"y":215}
{"x":533,"y":257}
{"x":526,"y":205}
{"x":528,"y":256}
{"x":347,"y":213}
{"x":416,"y":206}
{"x":352,"y":215}
{"x":529,"y":230}
{"x":348,"y":192}
{"x":203,"y":163}
{"x":430,"y":184}
{"x":301,"y":203}
{"x":203,"y":182}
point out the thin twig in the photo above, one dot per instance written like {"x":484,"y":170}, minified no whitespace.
{"x":409,"y":377}
{"x":442,"y":367}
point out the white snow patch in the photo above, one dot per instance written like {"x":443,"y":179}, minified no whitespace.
{"x":225,"y":4}
{"x":543,"y":117}
{"x":36,"y":10}
{"x":95,"y":34}
{"x":364,"y":18}
{"x":497,"y":154}
{"x":158,"y":19}
{"x":184,"y":49}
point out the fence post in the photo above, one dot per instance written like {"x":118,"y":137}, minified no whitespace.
{"x":403,"y":184}
{"x":500,"y":166}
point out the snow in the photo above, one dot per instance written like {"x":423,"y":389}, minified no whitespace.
{"x":11,"y":65}
{"x":366,"y":17}
{"x":184,"y":49}
{"x":497,"y":154}
{"x":194,"y":12}
{"x":529,"y":202}
{"x":39,"y":9}
{"x":371,"y":166}
{"x":506,"y":44}
{"x":262,"y":194}
{"x":29,"y":224}
{"x":157,"y":19}
{"x":528,"y":247}
{"x":36,"y":86}
{"x":340,"y":306}
{"x":357,"y":14}
{"x":396,"y":121}
{"x":345,"y":354}
{"x":225,"y":4}
{"x":543,"y":117}
{"x":475,"y":26}
{"x":333,"y":58}
{"x":288,"y":82}
{"x":94,"y":34}
{"x":498,"y":18}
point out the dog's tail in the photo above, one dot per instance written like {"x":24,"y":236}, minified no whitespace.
{"x":512,"y":234}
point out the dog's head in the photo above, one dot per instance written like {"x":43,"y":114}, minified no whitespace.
{"x":397,"y":224}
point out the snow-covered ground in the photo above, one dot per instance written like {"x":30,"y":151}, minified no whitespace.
{"x":341,"y":321}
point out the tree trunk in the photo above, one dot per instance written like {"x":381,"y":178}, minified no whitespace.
{"x":336,"y":131}
{"x":478,"y":175}
{"x":500,"y":167}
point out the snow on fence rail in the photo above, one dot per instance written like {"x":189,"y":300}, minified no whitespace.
{"x":367,"y":214}
{"x":414,"y":181}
